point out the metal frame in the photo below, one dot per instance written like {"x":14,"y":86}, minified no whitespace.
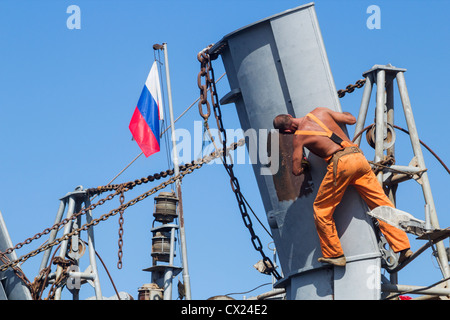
{"x":383,"y":76}
{"x":74,"y":201}
{"x":11,"y":286}
{"x":163,"y":274}
{"x":186,"y":277}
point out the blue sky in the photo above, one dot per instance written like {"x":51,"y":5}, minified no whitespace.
{"x":67,"y":96}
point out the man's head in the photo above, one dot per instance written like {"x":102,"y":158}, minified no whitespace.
{"x":284,"y":123}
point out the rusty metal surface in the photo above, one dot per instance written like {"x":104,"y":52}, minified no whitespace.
{"x":287,"y":185}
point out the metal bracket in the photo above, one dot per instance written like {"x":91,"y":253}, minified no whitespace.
{"x":400,"y":219}
{"x":389,"y":257}
{"x":231,"y":96}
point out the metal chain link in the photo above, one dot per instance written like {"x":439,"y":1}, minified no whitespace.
{"x":65,"y":264}
{"x":17,"y":270}
{"x":351,"y":87}
{"x":121,"y":220}
{"x":96,"y":191}
{"x":207,"y":72}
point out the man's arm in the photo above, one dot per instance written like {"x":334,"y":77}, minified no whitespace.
{"x":297,"y":157}
{"x":340,"y":117}
{"x":343,"y":117}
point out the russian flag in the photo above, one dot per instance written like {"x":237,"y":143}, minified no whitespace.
{"x":144,"y":124}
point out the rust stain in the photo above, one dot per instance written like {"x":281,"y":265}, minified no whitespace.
{"x":287,"y":185}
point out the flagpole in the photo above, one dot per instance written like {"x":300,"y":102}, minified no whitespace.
{"x":186,"y":279}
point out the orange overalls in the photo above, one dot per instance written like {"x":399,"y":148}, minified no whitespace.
{"x":353,"y":169}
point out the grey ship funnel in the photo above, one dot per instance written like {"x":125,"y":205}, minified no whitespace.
{"x":279,"y":65}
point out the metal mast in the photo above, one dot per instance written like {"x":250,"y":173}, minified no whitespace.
{"x":383,"y":138}
{"x":186,"y":279}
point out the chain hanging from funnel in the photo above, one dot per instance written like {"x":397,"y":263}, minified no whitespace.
{"x":207,"y":72}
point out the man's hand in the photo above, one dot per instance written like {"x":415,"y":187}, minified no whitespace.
{"x":306,"y":166}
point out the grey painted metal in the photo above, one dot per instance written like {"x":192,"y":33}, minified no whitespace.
{"x":359,"y":126}
{"x":406,"y":169}
{"x":169,"y":272}
{"x":390,"y":112}
{"x":162,"y":275}
{"x":385,"y":98}
{"x":426,"y":188}
{"x":74,"y":201}
{"x":183,"y":245}
{"x":427,"y":217}
{"x":3,"y":295}
{"x":92,"y":254}
{"x":83,"y":275}
{"x":52,"y":235}
{"x":11,"y":287}
{"x":63,"y":248}
{"x":436,"y":291}
{"x":279,"y":65}
{"x":400,"y":219}
{"x":380,"y":120}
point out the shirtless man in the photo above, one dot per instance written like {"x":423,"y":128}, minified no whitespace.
{"x":319,"y":131}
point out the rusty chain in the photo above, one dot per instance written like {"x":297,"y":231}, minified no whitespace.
{"x":63,"y":222}
{"x":207,"y":73}
{"x":95,"y":191}
{"x":65,"y":264}
{"x":184,"y":170}
{"x":204,"y":74}
{"x":39,"y":283}
{"x":17,"y":270}
{"x":120,"y":242}
{"x":351,"y":87}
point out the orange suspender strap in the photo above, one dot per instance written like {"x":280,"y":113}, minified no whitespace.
{"x":311,"y":133}
{"x":320,"y":123}
{"x":330,"y":134}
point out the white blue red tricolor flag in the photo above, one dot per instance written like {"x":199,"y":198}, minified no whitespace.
{"x":144,"y":124}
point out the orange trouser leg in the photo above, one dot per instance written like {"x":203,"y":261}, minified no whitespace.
{"x":371,"y":191}
{"x":327,"y":199}
{"x":352,"y":169}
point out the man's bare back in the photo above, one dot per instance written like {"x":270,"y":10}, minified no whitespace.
{"x":321,"y":146}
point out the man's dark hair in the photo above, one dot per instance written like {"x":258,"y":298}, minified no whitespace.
{"x":282,"y":122}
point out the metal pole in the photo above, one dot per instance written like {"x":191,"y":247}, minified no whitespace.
{"x":379,"y":121}
{"x":63,"y":249}
{"x":426,"y":189}
{"x":390,"y":121}
{"x":169,"y":272}
{"x":390,"y":110}
{"x":52,"y":236}
{"x":364,"y":107}
{"x":416,"y":289}
{"x":92,"y":255}
{"x":186,"y":279}
{"x":391,"y":191}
